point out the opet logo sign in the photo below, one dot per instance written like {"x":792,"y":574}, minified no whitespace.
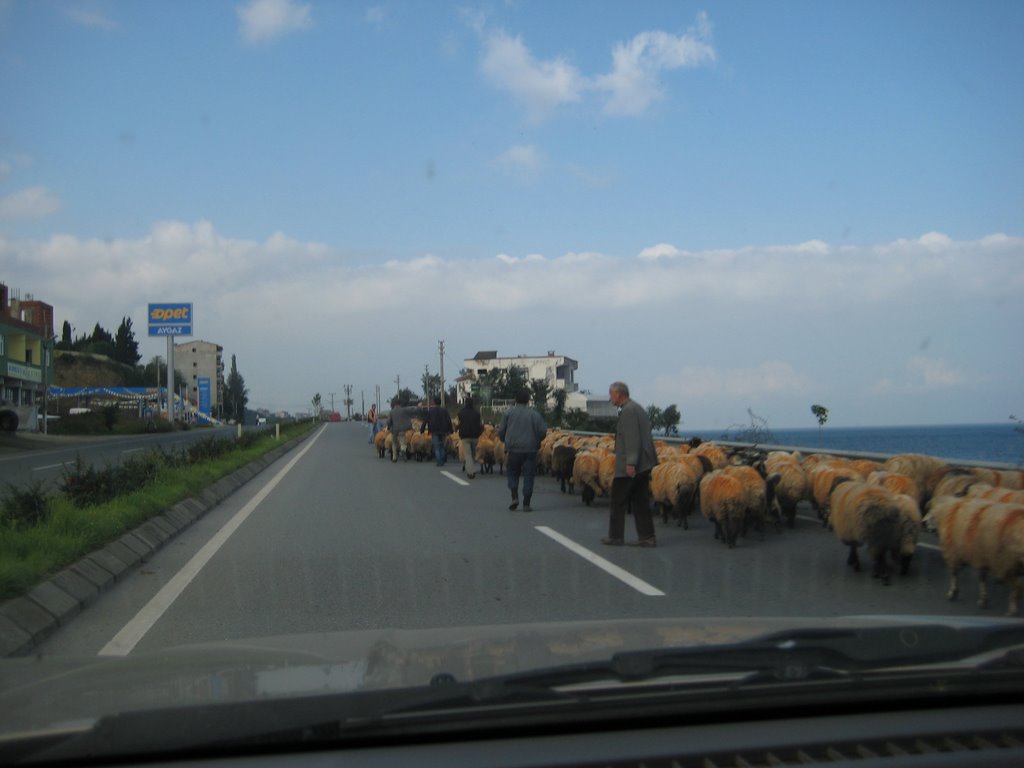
{"x":170,"y":319}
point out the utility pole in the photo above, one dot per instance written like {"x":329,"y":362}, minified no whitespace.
{"x":332,"y":401}
{"x":398,"y":385}
{"x":362,"y":401}
{"x":440,"y":345}
{"x":348,"y":400}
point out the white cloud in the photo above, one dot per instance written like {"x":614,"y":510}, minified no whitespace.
{"x":32,"y":203}
{"x":376,"y":14}
{"x":263,"y":21}
{"x":90,"y":14}
{"x":696,"y":382}
{"x":771,"y":327}
{"x":539,"y":86}
{"x":522,"y":160}
{"x":635,"y":80}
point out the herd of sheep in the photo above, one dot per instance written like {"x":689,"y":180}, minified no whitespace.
{"x":880,"y":506}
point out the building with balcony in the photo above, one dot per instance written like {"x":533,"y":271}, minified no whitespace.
{"x":557,"y":370}
{"x":26,"y":351}
{"x":201,"y":365}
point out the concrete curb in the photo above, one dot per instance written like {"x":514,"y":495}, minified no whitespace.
{"x":27,"y":621}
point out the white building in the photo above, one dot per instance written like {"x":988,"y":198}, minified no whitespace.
{"x":556,"y":370}
{"x":196,"y":360}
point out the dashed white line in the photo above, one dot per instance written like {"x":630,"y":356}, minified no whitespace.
{"x":608,"y":567}
{"x":52,"y":466}
{"x":454,"y":478}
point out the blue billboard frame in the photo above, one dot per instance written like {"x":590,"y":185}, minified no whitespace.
{"x":170,"y":319}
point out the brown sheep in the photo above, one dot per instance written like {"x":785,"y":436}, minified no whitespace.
{"x":870,"y":515}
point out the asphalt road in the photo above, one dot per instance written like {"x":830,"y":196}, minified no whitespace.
{"x":30,"y":457}
{"x":333,"y":538}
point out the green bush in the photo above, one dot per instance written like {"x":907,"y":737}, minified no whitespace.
{"x":25,"y":506}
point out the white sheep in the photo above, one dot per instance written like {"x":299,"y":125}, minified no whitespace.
{"x":985,"y":535}
{"x":872,"y":516}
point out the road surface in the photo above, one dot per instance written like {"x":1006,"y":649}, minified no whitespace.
{"x":333,"y":538}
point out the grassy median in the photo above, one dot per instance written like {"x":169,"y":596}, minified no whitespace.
{"x":41,"y":534}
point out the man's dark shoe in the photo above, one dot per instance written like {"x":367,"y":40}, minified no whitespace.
{"x":515,"y":502}
{"x":651,"y":542}
{"x":612,"y":542}
{"x":526,"y":504}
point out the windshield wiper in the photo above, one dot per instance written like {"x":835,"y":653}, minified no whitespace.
{"x":793,"y":656}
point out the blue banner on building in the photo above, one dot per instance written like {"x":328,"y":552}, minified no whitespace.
{"x":203,"y":384}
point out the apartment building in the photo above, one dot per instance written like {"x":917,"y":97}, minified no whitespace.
{"x":26,"y":351}
{"x":201,"y":365}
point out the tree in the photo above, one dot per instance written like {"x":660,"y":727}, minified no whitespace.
{"x":431,"y":385}
{"x":126,"y":348}
{"x":236,"y":396}
{"x":654,"y":416}
{"x":65,"y":337}
{"x":100,"y":343}
{"x":670,"y":419}
{"x":558,"y":412}
{"x":505,"y":383}
{"x":539,"y":391}
{"x":406,"y":396}
{"x":821,"y":414}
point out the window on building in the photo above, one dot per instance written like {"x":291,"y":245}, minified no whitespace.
{"x":28,"y":356}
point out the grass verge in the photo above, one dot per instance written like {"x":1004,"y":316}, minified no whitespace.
{"x":29,"y":554}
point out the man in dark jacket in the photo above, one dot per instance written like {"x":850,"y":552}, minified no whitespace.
{"x":522,"y":428}
{"x":470,"y":428}
{"x":440,"y":425}
{"x":635,"y":457}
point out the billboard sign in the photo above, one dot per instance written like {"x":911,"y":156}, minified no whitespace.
{"x":204,"y":394}
{"x":170,"y":319}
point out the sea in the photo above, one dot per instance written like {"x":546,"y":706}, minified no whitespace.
{"x":995,"y":443}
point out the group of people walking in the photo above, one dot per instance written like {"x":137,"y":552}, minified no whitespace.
{"x":522,"y":429}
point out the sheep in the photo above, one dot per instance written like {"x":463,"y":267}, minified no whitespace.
{"x":562,"y":459}
{"x":674,"y":489}
{"x":793,"y":485}
{"x":723,"y":501}
{"x":985,"y":535}
{"x":956,"y":482}
{"x":1000,"y":478}
{"x":714,"y":453}
{"x":420,"y":445}
{"x":927,"y":471}
{"x":585,"y":470}
{"x":898,"y":484}
{"x":382,"y":442}
{"x":1002,"y":495}
{"x":822,"y":479}
{"x":870,"y":515}
{"x":759,"y":494}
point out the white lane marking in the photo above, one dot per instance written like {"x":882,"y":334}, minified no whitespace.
{"x":52,"y":466}
{"x":455,"y":478}
{"x":920,"y":544}
{"x":611,"y":568}
{"x":132,"y":450}
{"x":132,"y":632}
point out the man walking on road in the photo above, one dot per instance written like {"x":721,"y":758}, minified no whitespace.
{"x":522,"y":428}
{"x":400,"y":421}
{"x":635,"y":457}
{"x":470,"y":428}
{"x":439,"y":422}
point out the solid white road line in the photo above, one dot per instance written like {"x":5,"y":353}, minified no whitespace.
{"x":454,"y":478}
{"x":132,"y":632}
{"x":920,"y":544}
{"x":610,"y":568}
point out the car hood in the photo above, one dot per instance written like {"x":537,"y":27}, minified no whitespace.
{"x":41,"y":692}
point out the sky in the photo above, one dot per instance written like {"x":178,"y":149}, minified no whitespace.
{"x":731,"y":206}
